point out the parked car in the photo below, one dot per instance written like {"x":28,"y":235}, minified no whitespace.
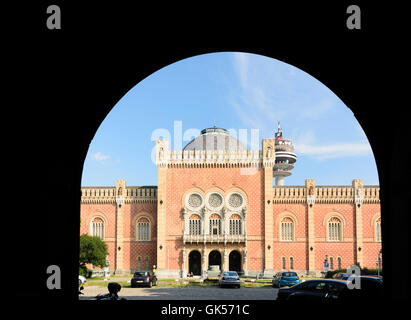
{"x":330,"y":290}
{"x":285,"y":279}
{"x":213,"y":272}
{"x":370,"y":289}
{"x":229,"y":278}
{"x":312,"y":290}
{"x":143,"y":278}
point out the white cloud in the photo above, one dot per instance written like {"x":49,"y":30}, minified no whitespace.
{"x":100,"y":157}
{"x":241,"y":64}
{"x":334,"y":150}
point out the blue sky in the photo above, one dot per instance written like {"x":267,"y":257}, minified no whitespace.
{"x":239,"y":92}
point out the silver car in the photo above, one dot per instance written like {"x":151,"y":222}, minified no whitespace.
{"x":229,"y":278}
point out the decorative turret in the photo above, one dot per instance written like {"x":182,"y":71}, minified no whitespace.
{"x":284,"y":157}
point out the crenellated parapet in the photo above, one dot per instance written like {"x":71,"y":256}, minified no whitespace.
{"x":326,"y":194}
{"x":210,"y":159}
{"x":131,"y":194}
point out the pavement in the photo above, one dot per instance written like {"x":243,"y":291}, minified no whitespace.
{"x":187,"y":293}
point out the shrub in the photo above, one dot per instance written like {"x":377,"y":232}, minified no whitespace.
{"x":83,"y":271}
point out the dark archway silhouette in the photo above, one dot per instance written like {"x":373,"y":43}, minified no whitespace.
{"x":194,"y":263}
{"x":214,"y":258}
{"x":234,"y":261}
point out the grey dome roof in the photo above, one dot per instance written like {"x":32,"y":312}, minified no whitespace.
{"x":215,"y":139}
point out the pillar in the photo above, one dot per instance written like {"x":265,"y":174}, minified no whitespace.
{"x":358,"y":200}
{"x":162,"y":157}
{"x":310,"y":192}
{"x":120,"y":193}
{"x":268,"y":164}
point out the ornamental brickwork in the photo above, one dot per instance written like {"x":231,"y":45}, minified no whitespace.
{"x":221,"y":207}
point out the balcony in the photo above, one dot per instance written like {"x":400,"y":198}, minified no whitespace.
{"x":214,"y":238}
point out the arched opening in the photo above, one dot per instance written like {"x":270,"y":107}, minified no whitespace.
{"x":214,"y":258}
{"x":234,"y":261}
{"x":194,"y":263}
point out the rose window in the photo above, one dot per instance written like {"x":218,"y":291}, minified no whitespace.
{"x":235,"y":200}
{"x":194,"y":200}
{"x":215,"y":200}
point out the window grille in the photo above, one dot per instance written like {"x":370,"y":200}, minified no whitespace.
{"x":97,"y":228}
{"x":339,"y":263}
{"x":146,"y":263}
{"x":235,"y":226}
{"x":143,"y":231}
{"x":291,"y":263}
{"x":331,"y":263}
{"x":287,"y":230}
{"x":139,"y":263}
{"x":283,"y":263}
{"x":195,"y":226}
{"x":334,"y":230}
{"x":215,"y":226}
{"x":378,"y":230}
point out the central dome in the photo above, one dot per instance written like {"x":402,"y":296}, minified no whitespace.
{"x":215,"y":139}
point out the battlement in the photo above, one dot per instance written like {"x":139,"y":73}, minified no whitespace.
{"x":131,"y":194}
{"x":281,"y":194}
{"x":325,"y":194}
{"x":211,"y":158}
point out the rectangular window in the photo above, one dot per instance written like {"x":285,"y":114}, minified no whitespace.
{"x":215,"y":226}
{"x":235,"y":226}
{"x":195,"y":226}
{"x":143,"y":231}
{"x":287,"y":231}
{"x":98,"y":229}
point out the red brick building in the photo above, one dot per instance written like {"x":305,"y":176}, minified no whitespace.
{"x":216,"y":204}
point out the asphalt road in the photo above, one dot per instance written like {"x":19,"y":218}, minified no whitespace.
{"x":187,"y":293}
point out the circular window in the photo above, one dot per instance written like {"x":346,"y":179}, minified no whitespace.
{"x":215,"y":200}
{"x":235,"y":200}
{"x":195,"y":200}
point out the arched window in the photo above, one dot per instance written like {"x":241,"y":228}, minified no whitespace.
{"x":97,"y":228}
{"x":287,"y":229}
{"x":378,"y":230}
{"x":291,"y":263}
{"x":138,"y":263}
{"x":146,"y":263}
{"x":331,"y":263}
{"x":215,"y":224}
{"x":195,"y":225}
{"x":283,"y":263}
{"x":235,"y":224}
{"x":339,"y":263}
{"x":334,"y":229}
{"x":143,"y":229}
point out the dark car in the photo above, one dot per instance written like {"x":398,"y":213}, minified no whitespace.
{"x":364,"y":288}
{"x":329,"y":290}
{"x":143,"y":278}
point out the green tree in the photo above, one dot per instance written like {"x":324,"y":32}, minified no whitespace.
{"x":92,"y":250}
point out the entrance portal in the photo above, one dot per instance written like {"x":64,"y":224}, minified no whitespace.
{"x":214,"y":258}
{"x":235,"y":261}
{"x":194,"y":263}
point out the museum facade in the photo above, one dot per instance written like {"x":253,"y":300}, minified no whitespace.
{"x":215,"y":203}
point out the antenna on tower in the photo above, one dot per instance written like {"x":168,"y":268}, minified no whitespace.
{"x":279,"y":132}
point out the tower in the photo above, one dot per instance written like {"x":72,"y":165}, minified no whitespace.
{"x":284,"y":157}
